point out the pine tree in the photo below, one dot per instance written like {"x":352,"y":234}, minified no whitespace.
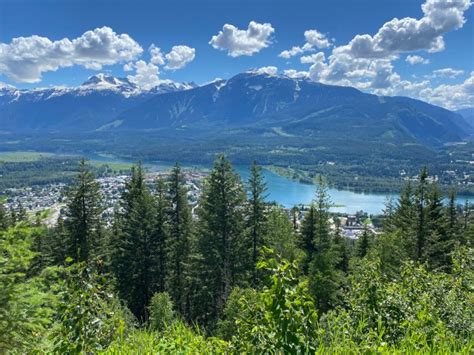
{"x":161,"y":231}
{"x":324,"y":279}
{"x":256,"y":215}
{"x":280,"y":236}
{"x":439,"y":243}
{"x":453,"y":227}
{"x":179,"y":244}
{"x":3,"y":218}
{"x":341,"y":251}
{"x":83,"y":211}
{"x":221,"y":237}
{"x":363,"y":243}
{"x":135,"y":248}
{"x":308,"y":235}
{"x":420,"y":197}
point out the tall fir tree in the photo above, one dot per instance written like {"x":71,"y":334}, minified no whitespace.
{"x":3,"y":218}
{"x":256,"y":215}
{"x":439,"y":242}
{"x":222,"y":243}
{"x":83,"y":211}
{"x":135,"y":248}
{"x":421,"y":227}
{"x":324,"y":278}
{"x":307,"y":236}
{"x":179,"y":245}
{"x":363,"y":243}
{"x":161,"y":231}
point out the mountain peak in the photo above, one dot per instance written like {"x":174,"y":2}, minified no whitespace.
{"x":105,"y":81}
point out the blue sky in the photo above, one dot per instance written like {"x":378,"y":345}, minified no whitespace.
{"x":428,"y":53}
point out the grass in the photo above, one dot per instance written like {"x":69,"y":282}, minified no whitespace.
{"x":23,"y":156}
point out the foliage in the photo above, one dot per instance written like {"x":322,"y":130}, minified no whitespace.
{"x":161,"y":311}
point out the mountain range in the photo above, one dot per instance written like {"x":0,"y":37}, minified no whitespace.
{"x":268,"y":104}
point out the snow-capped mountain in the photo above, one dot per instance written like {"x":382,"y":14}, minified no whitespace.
{"x":84,"y":107}
{"x":270,"y":103}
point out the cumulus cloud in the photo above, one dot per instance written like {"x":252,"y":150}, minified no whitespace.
{"x":446,"y":73}
{"x":24,"y":59}
{"x":455,"y":96}
{"x":416,"y":59}
{"x":314,"y":39}
{"x":409,"y":34}
{"x":270,"y":70}
{"x":179,"y":57}
{"x":366,"y":61}
{"x":239,"y":42}
{"x":295,"y":74}
{"x":156,"y":55}
{"x":146,"y":75}
{"x":313,"y":58}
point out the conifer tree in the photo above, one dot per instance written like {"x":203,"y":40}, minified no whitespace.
{"x":324,"y":279}
{"x":421,"y":228}
{"x":222,"y":243}
{"x":3,"y":218}
{"x":256,"y":215}
{"x":439,"y":243}
{"x":308,"y":235}
{"x":83,"y":211}
{"x":280,"y":236}
{"x":134,"y":256}
{"x":341,"y":251}
{"x":161,"y":231}
{"x":179,"y":245}
{"x":363,"y":243}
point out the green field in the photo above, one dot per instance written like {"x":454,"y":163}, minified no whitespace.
{"x":23,"y":156}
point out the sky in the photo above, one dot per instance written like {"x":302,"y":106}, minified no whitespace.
{"x":421,"y":49}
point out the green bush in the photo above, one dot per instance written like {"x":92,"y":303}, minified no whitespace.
{"x":161,"y":311}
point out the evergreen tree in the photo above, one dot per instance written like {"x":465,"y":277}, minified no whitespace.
{"x":280,"y":236}
{"x":453,"y":226}
{"x":308,"y":235}
{"x":324,"y":279}
{"x":363,"y":243}
{"x":221,"y":237}
{"x":179,"y":244}
{"x":3,"y":218}
{"x":83,"y":210}
{"x":295,"y":212}
{"x":256,"y":215}
{"x":421,"y":228}
{"x":404,"y":218}
{"x":161,"y":231}
{"x":341,"y":250}
{"x":134,"y":258}
{"x":439,"y":243}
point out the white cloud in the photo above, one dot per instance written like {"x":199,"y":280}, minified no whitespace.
{"x":179,"y":57}
{"x":409,"y":34}
{"x":313,"y":58}
{"x":239,"y":42}
{"x":453,"y":97}
{"x":314,"y":39}
{"x":416,"y":59}
{"x":294,"y":74}
{"x":128,"y":66}
{"x":270,"y":70}
{"x":156,"y":55}
{"x":366,"y":61}
{"x":146,"y":75}
{"x":24,"y":59}
{"x":446,"y":73}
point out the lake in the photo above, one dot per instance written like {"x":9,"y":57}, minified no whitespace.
{"x":289,"y":192}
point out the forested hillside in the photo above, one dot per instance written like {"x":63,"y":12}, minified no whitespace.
{"x":236,"y":274}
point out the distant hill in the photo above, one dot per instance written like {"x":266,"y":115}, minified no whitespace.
{"x":63,"y":109}
{"x":259,"y":104}
{"x":468,"y":115}
{"x":296,"y":107}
